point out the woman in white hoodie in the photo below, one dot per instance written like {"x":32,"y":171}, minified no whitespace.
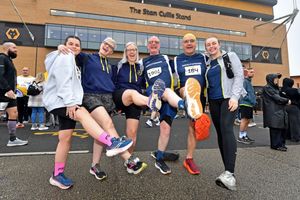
{"x":62,"y":96}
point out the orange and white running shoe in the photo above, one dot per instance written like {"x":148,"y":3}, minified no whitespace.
{"x":192,"y":91}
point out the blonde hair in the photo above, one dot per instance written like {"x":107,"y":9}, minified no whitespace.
{"x":40,"y":77}
{"x":124,"y":59}
{"x":189,"y":35}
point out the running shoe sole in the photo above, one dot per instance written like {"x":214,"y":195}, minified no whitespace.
{"x":93,"y":173}
{"x":243,"y":142}
{"x":167,"y":172}
{"x":221,"y":184}
{"x":58,"y":184}
{"x":187,"y":167}
{"x":158,"y":89}
{"x":20,"y":144}
{"x":192,"y":91}
{"x":130,"y":171}
{"x":113,"y":152}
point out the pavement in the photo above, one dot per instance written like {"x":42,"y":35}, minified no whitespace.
{"x":261,"y":173}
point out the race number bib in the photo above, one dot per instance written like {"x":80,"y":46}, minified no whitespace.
{"x":192,"y":70}
{"x":153,"y":72}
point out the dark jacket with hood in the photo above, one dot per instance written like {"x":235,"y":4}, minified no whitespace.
{"x":8,"y":75}
{"x":273,"y":104}
{"x":289,"y":92}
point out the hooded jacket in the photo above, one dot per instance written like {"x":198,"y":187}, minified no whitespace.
{"x":273,"y":104}
{"x":63,"y":87}
{"x":250,"y":99}
{"x":289,"y":92}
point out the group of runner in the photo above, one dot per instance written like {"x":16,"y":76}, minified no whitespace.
{"x":86,"y":88}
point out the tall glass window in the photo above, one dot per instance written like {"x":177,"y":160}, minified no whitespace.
{"x":67,"y":30}
{"x":105,"y":33}
{"x":171,"y":45}
{"x":130,"y":37}
{"x":119,"y":37}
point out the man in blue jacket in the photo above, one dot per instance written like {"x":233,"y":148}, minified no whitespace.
{"x":246,"y":107}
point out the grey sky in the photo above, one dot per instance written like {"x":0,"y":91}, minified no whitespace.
{"x":282,"y":8}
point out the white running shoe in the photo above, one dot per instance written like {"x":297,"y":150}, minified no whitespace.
{"x":149,"y":123}
{"x":42,"y":127}
{"x":226,"y":180}
{"x":17,"y":142}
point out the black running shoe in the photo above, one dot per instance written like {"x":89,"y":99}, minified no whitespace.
{"x":168,"y":156}
{"x":100,"y":175}
{"x":162,"y":166}
{"x":245,"y":140}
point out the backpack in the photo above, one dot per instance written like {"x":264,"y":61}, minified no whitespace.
{"x":228,"y":67}
{"x":33,"y":89}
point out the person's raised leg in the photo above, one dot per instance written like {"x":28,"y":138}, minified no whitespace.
{"x":101,"y":116}
{"x":132,"y":163}
{"x":173,"y":99}
{"x":93,"y":128}
{"x":134,"y":97}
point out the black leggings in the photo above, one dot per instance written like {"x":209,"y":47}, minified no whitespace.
{"x":223,"y":121}
{"x":23,"y":110}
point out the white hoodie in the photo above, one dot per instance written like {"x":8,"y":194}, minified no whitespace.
{"x":63,"y":87}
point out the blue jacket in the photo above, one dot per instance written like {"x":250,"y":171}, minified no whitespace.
{"x":250,"y":99}
{"x":97,"y":74}
{"x":129,"y":77}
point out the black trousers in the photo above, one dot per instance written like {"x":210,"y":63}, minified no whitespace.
{"x":277,"y":137}
{"x":23,"y":110}
{"x":293,"y":131}
{"x":223,"y":121}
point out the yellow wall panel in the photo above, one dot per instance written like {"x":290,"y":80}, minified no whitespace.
{"x":237,"y":4}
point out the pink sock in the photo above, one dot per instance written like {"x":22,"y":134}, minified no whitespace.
{"x":59,"y":168}
{"x":105,"y":139}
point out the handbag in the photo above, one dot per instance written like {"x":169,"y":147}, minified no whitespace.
{"x":33,"y":89}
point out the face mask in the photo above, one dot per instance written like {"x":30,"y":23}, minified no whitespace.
{"x":11,"y":54}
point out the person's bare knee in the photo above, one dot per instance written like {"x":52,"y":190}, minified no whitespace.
{"x":81,"y":113}
{"x":65,"y":136}
{"x":127,"y":97}
{"x":165,"y":129}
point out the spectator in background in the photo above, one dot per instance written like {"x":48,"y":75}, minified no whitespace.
{"x":246,"y":104}
{"x":274,"y":113}
{"x":36,"y":103}
{"x":23,"y":81}
{"x":8,"y":75}
{"x":293,"y":110}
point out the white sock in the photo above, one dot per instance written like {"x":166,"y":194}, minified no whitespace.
{"x":242,"y":134}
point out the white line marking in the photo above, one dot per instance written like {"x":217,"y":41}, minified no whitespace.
{"x":39,"y":153}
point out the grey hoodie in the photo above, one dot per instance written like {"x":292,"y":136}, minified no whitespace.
{"x":63,"y":87}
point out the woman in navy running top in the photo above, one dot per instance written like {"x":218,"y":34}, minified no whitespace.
{"x":224,"y":92}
